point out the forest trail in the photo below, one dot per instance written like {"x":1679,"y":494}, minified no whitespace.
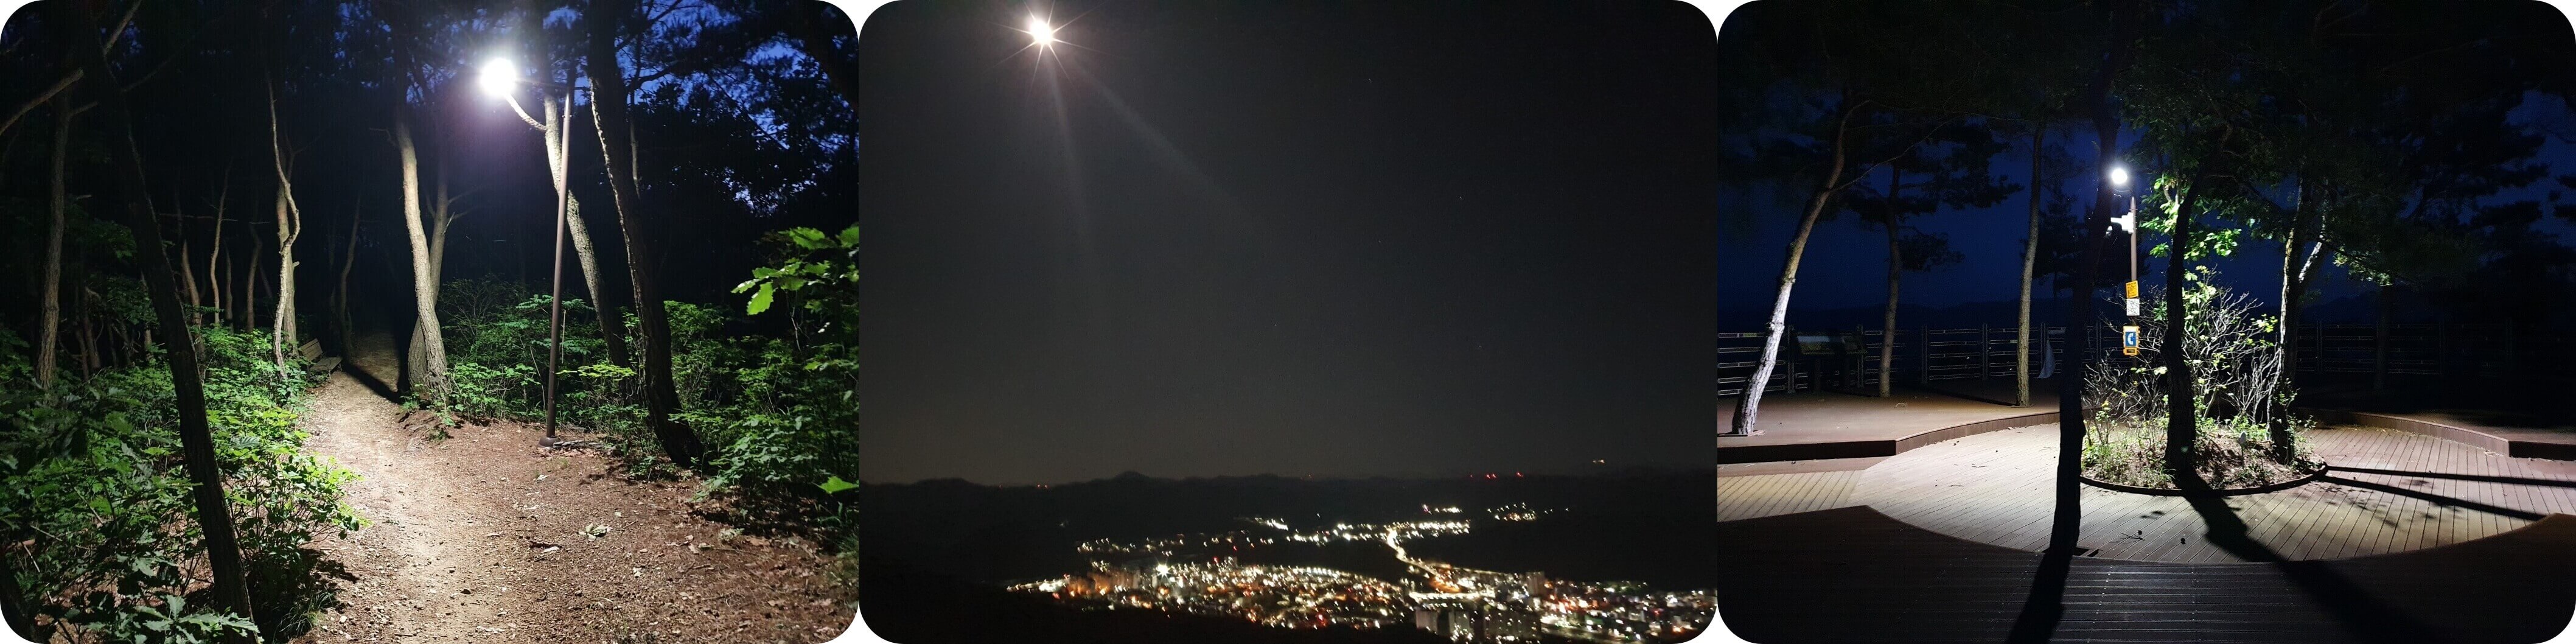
{"x":485,"y":537}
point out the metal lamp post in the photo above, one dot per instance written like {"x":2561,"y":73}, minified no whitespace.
{"x":499,"y":78}
{"x":2128,"y":223}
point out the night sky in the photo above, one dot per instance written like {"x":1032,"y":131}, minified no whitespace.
{"x":1846,"y":261}
{"x":1327,"y":239}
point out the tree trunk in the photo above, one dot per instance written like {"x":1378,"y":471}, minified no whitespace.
{"x":282,"y":335}
{"x":1748,"y":407}
{"x":188,"y":270}
{"x":2298,"y":255}
{"x":2182,"y":423}
{"x":440,"y":222}
{"x":227,"y":292}
{"x":608,"y":113}
{"x":340,"y":297}
{"x":70,"y":21}
{"x":290,"y":226}
{"x":2080,"y":308}
{"x":251,"y":284}
{"x":2181,"y":427}
{"x":441,"y":217}
{"x":612,"y":327}
{"x":2029,"y":262}
{"x":49,"y":333}
{"x":215,"y":276}
{"x":1895,"y":273}
{"x":432,"y":368}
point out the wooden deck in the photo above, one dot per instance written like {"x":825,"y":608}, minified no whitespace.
{"x":2502,"y":433}
{"x":1836,"y":425}
{"x":2392,"y":492}
{"x":1855,"y":575}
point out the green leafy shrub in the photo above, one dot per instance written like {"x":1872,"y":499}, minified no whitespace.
{"x":803,"y":391}
{"x":782,"y":411}
{"x":2246,"y":434}
{"x":97,"y":515}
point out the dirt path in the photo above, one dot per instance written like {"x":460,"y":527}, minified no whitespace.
{"x":485,"y":537}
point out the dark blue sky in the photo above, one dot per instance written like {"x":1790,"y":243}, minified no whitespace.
{"x":1846,"y":261}
{"x":1298,"y":239}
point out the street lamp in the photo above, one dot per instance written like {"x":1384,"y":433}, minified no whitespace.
{"x":2128,"y":223}
{"x":501,"y":78}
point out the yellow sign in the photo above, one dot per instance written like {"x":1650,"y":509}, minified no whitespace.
{"x":2133,"y":289}
{"x":2129,"y":351}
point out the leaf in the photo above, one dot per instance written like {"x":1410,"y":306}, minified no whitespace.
{"x":760,"y":300}
{"x":835,"y":485}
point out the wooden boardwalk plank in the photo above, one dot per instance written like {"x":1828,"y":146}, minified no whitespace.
{"x":1855,"y":575}
{"x":1995,"y":488}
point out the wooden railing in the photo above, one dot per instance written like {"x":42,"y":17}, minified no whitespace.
{"x":1812,"y":359}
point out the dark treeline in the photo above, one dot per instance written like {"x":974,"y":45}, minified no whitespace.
{"x":2401,"y":146}
{"x":200,"y":197}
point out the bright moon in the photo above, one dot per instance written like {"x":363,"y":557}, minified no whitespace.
{"x":1039,"y":29}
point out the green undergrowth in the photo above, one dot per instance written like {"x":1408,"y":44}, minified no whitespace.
{"x":768,"y":382}
{"x":2245,"y":432}
{"x":2228,"y":456}
{"x":99,"y":524}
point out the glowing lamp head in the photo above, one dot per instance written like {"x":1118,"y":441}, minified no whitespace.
{"x":499,"y":76}
{"x":2120,"y":177}
{"x":1040,"y":31}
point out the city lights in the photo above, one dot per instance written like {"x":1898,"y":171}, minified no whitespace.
{"x":1196,"y":574}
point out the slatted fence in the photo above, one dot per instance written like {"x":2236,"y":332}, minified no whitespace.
{"x":1812,"y":359}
